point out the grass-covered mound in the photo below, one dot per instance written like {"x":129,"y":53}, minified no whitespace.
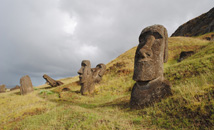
{"x":190,"y":107}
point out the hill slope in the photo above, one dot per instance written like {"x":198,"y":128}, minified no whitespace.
{"x":190,"y":107}
{"x":200,"y":25}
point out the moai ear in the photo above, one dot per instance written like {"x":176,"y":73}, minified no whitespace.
{"x":165,"y":57}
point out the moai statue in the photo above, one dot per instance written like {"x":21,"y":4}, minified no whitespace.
{"x":52,"y":82}
{"x":150,"y":55}
{"x":98,"y":72}
{"x":89,"y":76}
{"x":2,"y":88}
{"x":85,"y":76}
{"x":26,"y":85}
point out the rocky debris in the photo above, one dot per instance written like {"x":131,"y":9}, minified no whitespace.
{"x":184,"y":55}
{"x":2,"y":88}
{"x":150,"y":55}
{"x":200,"y":25}
{"x":16,"y":87}
{"x":209,"y":38}
{"x":52,"y":82}
{"x":26,"y":85}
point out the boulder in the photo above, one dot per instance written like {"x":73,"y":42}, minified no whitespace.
{"x":184,"y":55}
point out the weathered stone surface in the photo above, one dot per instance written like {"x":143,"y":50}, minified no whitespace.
{"x":52,"y":82}
{"x":26,"y":85}
{"x":89,"y":76}
{"x":184,"y":55}
{"x":150,"y":55}
{"x":85,"y":76}
{"x":2,"y":88}
{"x":98,"y":72}
{"x":144,"y":94}
{"x":16,"y":87}
{"x":197,"y":26}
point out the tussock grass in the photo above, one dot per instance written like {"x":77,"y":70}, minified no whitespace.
{"x":190,"y":107}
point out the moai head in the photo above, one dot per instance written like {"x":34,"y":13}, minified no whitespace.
{"x":85,"y":73}
{"x":45,"y":76}
{"x":98,"y":72}
{"x":151,"y":53}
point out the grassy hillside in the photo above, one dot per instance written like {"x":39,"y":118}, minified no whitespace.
{"x":190,"y":107}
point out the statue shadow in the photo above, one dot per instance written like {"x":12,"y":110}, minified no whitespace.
{"x":122,"y":103}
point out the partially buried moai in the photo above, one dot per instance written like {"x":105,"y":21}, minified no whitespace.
{"x":89,"y":76}
{"x":150,"y":55}
{"x":98,"y":72}
{"x":26,"y":85}
{"x":52,"y":82}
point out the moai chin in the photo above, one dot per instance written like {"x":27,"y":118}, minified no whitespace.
{"x":150,"y":55}
{"x":89,"y":76}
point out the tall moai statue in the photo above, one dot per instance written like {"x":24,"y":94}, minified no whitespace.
{"x":26,"y":85}
{"x":52,"y":82}
{"x":150,"y":55}
{"x":89,"y":76}
{"x":85,"y":77}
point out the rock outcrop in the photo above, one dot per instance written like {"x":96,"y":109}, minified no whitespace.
{"x":200,"y":25}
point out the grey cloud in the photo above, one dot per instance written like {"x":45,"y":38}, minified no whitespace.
{"x":35,"y":38}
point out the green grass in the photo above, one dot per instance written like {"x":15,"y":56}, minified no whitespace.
{"x":190,"y":107}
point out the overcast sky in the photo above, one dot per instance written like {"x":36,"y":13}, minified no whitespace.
{"x":53,"y":36}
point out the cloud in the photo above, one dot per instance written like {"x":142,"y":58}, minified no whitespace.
{"x":54,"y":36}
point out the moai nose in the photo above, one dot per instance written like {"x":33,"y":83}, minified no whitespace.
{"x":80,"y":71}
{"x":146,"y":51}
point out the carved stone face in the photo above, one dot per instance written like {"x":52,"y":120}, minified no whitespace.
{"x":151,"y":53}
{"x":98,"y":72}
{"x":85,"y":73}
